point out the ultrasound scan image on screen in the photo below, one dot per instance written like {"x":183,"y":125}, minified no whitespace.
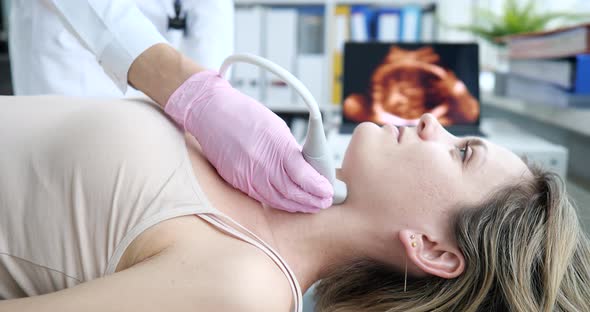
{"x":398,"y":83}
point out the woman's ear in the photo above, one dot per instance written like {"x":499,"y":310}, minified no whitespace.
{"x":432,"y":257}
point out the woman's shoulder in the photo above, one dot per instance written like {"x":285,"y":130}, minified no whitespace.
{"x":255,"y":282}
{"x":222,"y":271}
{"x":188,"y":275}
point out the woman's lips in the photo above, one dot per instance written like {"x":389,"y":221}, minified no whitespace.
{"x":393,"y":130}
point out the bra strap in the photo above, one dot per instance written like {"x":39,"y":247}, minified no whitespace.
{"x":254,"y":240}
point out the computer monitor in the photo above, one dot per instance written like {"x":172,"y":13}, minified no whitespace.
{"x":398,"y":82}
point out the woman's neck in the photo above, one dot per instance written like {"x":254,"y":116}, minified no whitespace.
{"x":311,"y":244}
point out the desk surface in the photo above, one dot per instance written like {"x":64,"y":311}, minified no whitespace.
{"x":573,"y":119}
{"x":510,"y":136}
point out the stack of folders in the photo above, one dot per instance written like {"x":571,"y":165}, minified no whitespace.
{"x":551,"y":68}
{"x":364,"y":23}
{"x":408,"y":23}
{"x":292,"y":37}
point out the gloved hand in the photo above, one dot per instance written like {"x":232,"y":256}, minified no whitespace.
{"x":250,"y":146}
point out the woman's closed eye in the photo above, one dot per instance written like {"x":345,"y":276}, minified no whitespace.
{"x":465,"y":151}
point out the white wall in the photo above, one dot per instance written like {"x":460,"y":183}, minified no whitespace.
{"x":455,"y":12}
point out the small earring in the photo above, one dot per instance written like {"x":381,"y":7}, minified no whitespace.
{"x":406,"y":273}
{"x":413,"y":243}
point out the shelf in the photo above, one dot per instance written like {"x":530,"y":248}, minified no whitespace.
{"x":386,"y":2}
{"x":580,"y":192}
{"x":327,"y":2}
{"x":573,"y":119}
{"x":280,"y":2}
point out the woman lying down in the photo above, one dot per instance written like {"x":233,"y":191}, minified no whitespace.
{"x":100,"y":214}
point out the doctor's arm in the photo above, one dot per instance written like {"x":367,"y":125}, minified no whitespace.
{"x":250,"y":146}
{"x":127,"y":45}
{"x":161,"y":70}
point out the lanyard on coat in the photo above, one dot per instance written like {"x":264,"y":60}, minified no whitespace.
{"x":178,"y":22}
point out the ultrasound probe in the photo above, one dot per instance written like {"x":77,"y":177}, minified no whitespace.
{"x":315,"y":149}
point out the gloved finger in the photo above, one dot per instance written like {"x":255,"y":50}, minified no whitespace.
{"x":272,"y":197}
{"x":290,"y":190}
{"x":304,"y":175}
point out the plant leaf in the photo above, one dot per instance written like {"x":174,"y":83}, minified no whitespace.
{"x":514,"y":19}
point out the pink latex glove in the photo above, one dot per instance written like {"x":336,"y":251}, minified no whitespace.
{"x":250,"y":146}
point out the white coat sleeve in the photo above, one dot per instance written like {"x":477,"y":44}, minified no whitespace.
{"x":210,"y":31}
{"x":115,"y":31}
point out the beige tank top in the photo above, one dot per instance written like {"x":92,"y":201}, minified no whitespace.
{"x":80,"y":179}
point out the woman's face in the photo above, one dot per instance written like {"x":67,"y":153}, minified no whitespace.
{"x":418,"y":175}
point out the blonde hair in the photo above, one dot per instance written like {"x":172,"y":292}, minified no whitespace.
{"x":524,"y":251}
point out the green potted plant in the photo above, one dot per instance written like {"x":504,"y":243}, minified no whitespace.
{"x":516,"y":17}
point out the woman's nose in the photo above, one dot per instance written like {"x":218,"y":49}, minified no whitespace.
{"x":429,"y":128}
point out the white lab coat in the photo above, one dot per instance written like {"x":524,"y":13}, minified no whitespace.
{"x":85,"y":47}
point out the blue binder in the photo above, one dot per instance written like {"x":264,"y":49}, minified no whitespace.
{"x":582,"y":78}
{"x":411,"y":23}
